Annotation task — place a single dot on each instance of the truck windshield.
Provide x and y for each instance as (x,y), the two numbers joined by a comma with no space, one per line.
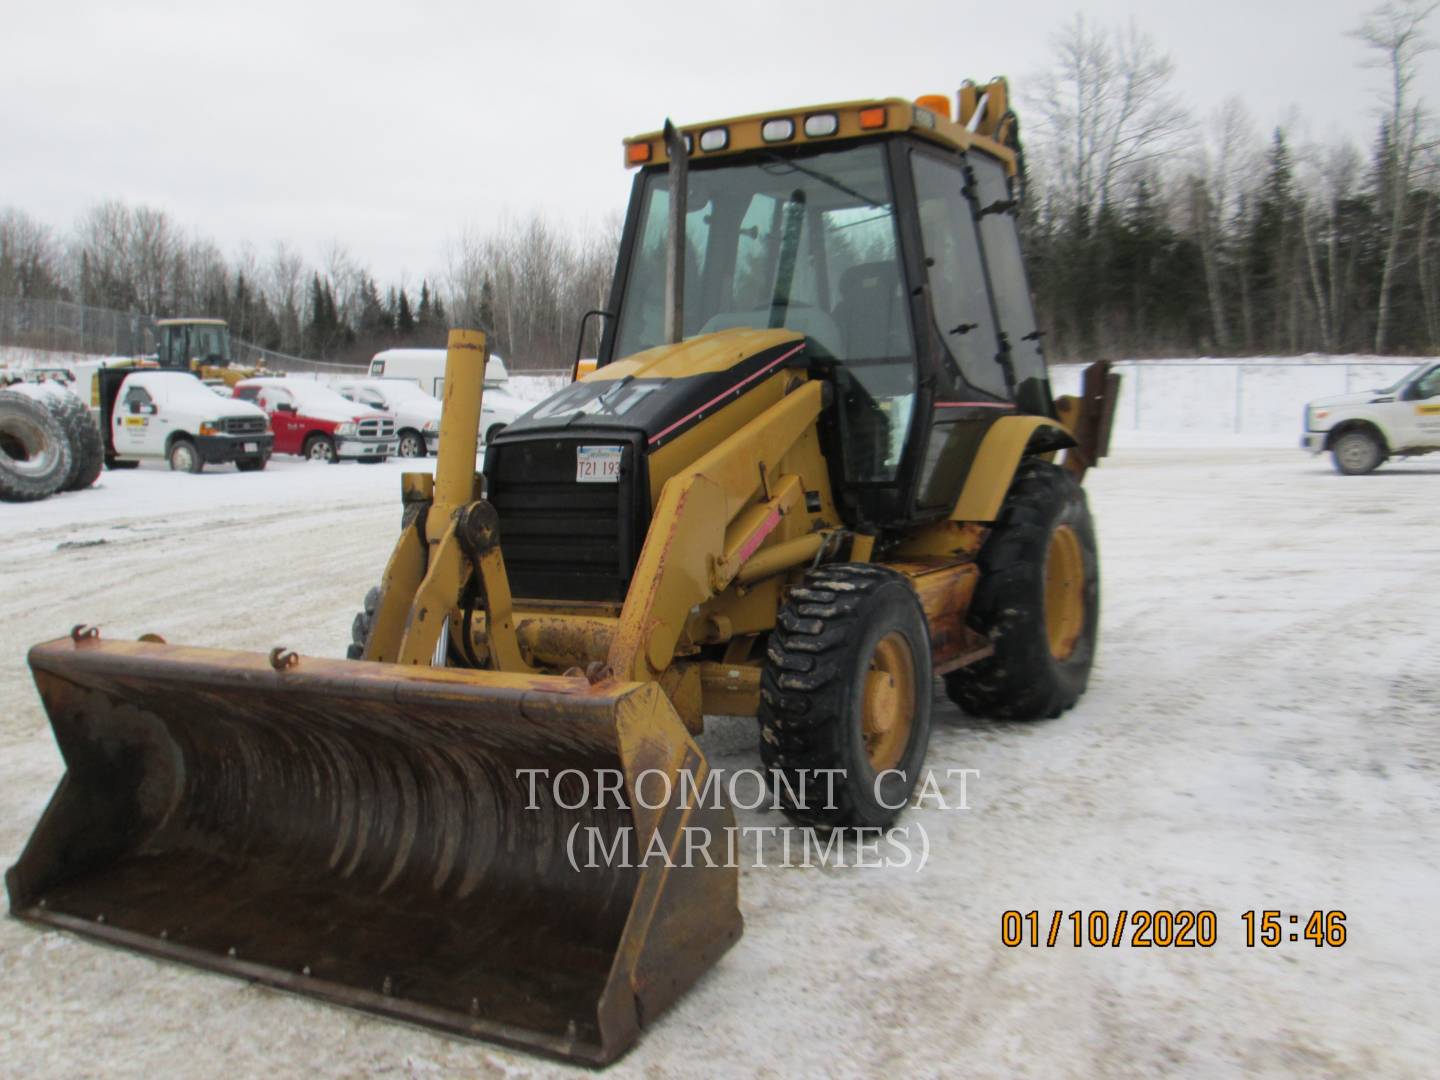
(1394,388)
(805,242)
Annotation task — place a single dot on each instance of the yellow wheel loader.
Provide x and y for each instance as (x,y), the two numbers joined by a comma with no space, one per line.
(818,465)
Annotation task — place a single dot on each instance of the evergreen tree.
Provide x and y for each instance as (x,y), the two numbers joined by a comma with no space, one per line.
(404,320)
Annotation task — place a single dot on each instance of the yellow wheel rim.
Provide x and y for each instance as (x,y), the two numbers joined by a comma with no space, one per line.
(888,710)
(1064,592)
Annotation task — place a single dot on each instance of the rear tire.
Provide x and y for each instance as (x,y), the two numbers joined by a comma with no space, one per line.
(36,458)
(1357,452)
(846,686)
(1038,601)
(185,457)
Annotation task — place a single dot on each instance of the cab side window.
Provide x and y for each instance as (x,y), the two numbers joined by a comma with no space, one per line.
(954,275)
(136,396)
(1001,239)
(1428,385)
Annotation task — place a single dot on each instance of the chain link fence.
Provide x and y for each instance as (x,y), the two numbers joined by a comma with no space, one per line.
(60,326)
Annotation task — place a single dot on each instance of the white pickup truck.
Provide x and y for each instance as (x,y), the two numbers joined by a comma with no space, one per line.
(1362,431)
(416,413)
(173,416)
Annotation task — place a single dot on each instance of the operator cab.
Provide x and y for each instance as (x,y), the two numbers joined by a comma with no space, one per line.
(888,238)
(190,344)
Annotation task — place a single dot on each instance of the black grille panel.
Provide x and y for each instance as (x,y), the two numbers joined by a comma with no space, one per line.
(562,539)
(245,425)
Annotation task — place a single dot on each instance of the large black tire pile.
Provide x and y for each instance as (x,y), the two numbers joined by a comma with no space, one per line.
(48,443)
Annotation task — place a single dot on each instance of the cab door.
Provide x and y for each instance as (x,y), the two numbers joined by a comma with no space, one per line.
(972,386)
(136,426)
(1420,411)
(279,405)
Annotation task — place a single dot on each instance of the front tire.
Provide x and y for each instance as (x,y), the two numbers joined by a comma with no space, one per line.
(411,445)
(846,686)
(360,626)
(1357,452)
(1038,601)
(321,448)
(185,457)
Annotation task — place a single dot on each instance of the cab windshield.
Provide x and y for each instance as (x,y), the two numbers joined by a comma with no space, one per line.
(210,344)
(1413,373)
(805,242)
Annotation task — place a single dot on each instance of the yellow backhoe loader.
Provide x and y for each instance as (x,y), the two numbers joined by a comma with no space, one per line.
(817,466)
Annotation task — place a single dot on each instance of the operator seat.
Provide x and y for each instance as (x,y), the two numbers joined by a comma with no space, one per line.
(870,311)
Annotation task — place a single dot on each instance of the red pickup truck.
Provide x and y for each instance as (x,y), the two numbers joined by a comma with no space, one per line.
(313,421)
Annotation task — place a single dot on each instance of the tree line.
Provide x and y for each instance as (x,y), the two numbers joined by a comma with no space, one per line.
(1152,232)
(1148,230)
(529,282)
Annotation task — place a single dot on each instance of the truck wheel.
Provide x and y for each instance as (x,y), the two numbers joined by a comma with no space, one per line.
(36,458)
(252,464)
(185,457)
(88,449)
(1038,601)
(846,686)
(360,626)
(411,445)
(1357,452)
(320,448)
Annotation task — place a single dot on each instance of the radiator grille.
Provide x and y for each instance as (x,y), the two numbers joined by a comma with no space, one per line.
(562,540)
(376,429)
(245,425)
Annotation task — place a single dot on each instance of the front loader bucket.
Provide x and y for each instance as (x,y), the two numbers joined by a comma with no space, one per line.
(358,832)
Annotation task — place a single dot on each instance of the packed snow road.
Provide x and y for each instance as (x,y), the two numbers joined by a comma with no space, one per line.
(1262,732)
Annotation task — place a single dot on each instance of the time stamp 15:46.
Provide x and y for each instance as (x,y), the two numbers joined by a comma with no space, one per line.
(1145,929)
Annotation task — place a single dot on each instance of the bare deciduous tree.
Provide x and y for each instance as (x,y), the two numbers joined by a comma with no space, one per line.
(1108,110)
(1396,32)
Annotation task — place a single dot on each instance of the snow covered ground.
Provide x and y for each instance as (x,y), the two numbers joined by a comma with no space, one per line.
(1262,731)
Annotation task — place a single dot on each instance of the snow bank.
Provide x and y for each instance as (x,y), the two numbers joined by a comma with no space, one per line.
(1254,401)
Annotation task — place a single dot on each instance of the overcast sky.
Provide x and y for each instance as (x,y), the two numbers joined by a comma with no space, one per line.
(389,127)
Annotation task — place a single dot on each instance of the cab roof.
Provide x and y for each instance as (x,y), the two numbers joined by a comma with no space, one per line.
(814,124)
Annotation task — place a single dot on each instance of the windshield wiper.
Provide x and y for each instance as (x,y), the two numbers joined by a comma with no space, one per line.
(825,179)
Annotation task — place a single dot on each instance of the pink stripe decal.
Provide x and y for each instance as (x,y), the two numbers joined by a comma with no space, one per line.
(743,382)
(766,528)
(973,405)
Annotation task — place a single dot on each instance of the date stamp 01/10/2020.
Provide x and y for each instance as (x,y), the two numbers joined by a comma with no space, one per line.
(1145,929)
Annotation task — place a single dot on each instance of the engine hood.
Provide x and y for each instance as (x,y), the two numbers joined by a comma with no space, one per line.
(1359,397)
(663,391)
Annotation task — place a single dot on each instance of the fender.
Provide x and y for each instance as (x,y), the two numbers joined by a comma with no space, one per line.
(997,461)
